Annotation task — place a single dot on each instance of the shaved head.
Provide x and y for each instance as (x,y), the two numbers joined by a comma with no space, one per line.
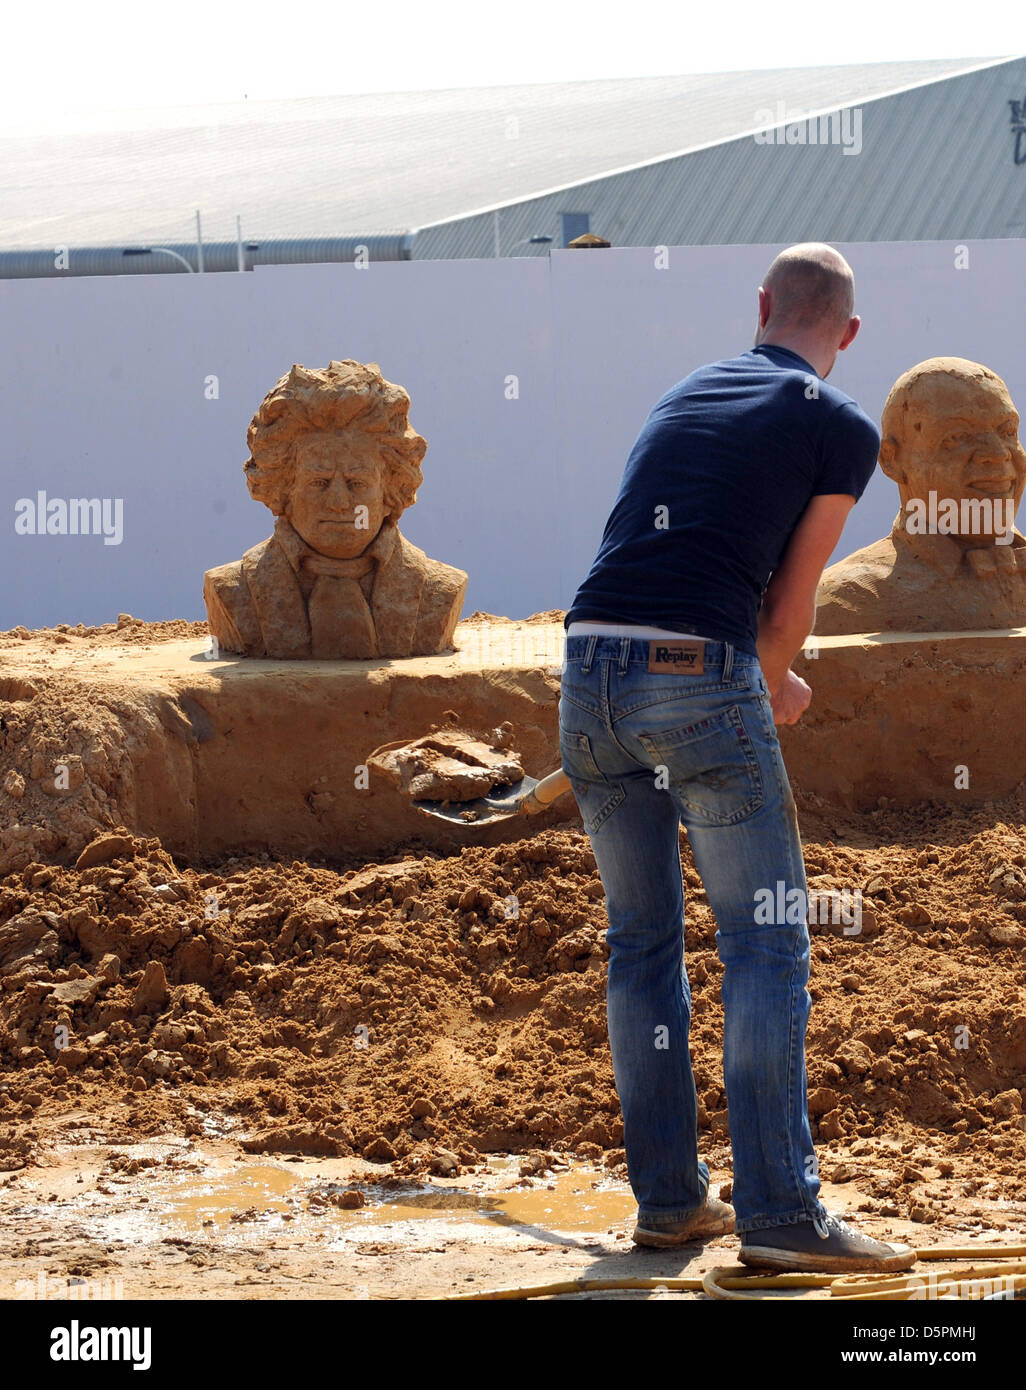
(812,288)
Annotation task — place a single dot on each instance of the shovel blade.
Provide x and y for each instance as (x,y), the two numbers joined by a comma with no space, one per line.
(485,810)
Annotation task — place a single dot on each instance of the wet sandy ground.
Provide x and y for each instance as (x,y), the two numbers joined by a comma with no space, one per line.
(176,1218)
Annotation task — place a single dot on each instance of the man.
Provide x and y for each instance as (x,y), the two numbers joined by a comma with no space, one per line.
(678,652)
(953,560)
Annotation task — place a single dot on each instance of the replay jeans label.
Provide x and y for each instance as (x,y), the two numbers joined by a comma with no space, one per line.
(682,658)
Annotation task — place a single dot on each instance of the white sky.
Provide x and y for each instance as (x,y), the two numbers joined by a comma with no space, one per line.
(62,57)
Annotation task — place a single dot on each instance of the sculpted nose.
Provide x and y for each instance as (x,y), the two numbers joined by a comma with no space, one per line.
(995,456)
(338,494)
(998,450)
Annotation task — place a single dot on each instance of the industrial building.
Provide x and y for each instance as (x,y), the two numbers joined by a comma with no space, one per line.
(900,151)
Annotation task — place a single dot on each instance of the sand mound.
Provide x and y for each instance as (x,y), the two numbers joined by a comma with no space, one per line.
(127,631)
(66,757)
(396,1007)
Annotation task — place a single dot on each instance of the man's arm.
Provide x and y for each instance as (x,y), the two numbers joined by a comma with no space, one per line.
(788,611)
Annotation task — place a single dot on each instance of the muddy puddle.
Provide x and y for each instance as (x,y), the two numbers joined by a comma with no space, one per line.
(576,1201)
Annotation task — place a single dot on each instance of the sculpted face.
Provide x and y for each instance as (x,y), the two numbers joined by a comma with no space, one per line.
(337,502)
(960,440)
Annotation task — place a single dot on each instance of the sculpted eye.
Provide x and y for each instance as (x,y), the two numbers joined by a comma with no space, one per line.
(953,439)
(1009,430)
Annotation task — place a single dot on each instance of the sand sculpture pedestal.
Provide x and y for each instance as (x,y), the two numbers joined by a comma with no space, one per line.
(911,717)
(240,754)
(243,754)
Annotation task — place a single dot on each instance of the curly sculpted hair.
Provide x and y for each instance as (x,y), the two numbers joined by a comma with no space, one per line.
(340,396)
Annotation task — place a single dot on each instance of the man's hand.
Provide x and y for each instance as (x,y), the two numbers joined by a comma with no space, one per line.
(791,699)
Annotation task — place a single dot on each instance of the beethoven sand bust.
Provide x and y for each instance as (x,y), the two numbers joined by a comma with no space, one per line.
(334,457)
(953,560)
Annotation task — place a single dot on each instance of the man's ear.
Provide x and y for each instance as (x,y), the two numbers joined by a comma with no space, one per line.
(765,305)
(889,459)
(849,333)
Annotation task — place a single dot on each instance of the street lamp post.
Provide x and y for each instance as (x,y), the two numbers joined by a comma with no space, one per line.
(164,251)
(156,251)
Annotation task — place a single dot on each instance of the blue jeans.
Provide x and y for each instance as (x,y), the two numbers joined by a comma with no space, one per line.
(644,752)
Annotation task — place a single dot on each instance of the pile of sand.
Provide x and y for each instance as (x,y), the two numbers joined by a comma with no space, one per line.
(459,1002)
(66,756)
(127,631)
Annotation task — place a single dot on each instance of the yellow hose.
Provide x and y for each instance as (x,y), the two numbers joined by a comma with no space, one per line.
(967,1252)
(573,1286)
(737,1281)
(730,1283)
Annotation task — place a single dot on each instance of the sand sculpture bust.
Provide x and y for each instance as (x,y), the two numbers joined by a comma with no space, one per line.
(333,456)
(953,560)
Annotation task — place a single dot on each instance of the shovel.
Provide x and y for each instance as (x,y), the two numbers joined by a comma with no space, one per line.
(524,798)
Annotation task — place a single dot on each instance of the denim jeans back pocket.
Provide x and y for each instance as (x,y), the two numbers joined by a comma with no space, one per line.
(711,765)
(597,798)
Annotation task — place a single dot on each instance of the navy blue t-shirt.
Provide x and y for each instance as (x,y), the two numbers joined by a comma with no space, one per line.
(713,488)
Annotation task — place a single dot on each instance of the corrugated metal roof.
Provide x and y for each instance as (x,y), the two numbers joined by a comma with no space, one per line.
(385,161)
(937,163)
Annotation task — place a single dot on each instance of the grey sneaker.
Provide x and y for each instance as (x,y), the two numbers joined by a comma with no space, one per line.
(714,1218)
(824,1245)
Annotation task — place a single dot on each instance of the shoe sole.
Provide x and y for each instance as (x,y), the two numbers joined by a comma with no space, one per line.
(793,1261)
(660,1240)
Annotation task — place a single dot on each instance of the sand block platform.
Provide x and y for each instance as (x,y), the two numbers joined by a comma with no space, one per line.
(227,755)
(912,718)
(239,754)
